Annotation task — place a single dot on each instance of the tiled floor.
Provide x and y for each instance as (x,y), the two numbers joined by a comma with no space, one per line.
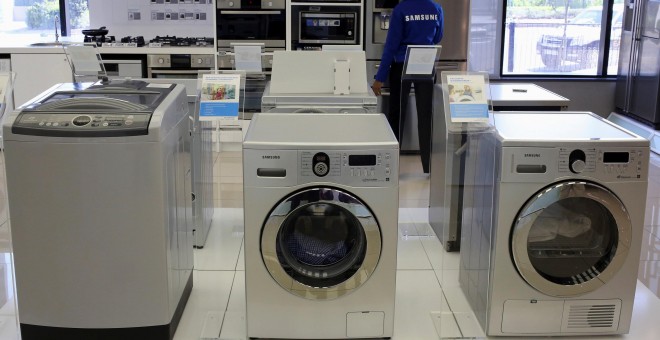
(429,302)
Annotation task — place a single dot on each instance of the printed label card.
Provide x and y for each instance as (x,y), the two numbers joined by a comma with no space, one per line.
(468,101)
(220,95)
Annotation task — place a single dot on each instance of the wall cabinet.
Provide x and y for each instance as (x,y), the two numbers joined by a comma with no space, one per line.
(37,72)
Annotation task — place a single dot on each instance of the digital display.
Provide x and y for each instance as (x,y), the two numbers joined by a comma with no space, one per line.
(616,157)
(362,160)
(321,157)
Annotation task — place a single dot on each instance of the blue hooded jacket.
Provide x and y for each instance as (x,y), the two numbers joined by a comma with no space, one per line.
(413,22)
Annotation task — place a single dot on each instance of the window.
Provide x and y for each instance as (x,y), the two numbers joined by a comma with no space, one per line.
(34,20)
(561,37)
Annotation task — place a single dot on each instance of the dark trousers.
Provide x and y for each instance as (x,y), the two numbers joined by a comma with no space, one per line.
(399,94)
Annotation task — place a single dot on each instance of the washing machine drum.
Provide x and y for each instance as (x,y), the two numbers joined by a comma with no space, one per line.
(571,238)
(321,243)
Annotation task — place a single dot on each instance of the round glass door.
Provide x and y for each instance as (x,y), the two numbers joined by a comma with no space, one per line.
(571,238)
(321,243)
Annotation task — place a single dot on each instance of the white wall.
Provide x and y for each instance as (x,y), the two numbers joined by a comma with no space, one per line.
(116,16)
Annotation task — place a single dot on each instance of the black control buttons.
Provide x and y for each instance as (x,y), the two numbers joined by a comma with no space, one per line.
(321,164)
(82,120)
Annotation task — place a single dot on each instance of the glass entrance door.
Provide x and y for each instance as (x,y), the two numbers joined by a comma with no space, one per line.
(571,238)
(321,243)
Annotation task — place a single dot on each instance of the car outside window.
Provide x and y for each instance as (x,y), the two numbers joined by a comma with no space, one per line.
(564,39)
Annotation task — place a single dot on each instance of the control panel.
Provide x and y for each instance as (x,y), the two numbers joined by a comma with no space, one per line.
(618,163)
(354,166)
(81,124)
(600,162)
(250,4)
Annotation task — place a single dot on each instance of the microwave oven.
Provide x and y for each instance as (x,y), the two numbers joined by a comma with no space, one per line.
(328,28)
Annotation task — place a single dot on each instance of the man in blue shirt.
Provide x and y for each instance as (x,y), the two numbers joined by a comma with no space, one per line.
(413,22)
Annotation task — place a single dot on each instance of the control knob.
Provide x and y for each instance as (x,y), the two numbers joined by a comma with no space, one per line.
(577,161)
(81,120)
(231,4)
(200,60)
(161,60)
(321,164)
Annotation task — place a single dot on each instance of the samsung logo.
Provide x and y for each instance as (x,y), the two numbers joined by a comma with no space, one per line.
(270,157)
(422,17)
(535,155)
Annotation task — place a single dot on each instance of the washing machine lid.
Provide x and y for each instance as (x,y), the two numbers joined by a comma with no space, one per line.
(274,100)
(283,131)
(110,109)
(558,126)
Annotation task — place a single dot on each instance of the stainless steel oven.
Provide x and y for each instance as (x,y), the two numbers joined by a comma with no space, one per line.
(260,21)
(186,66)
(313,26)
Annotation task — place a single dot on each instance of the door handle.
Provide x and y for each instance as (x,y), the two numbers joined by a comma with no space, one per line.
(250,12)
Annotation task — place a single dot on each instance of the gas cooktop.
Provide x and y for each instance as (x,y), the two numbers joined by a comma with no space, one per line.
(188,41)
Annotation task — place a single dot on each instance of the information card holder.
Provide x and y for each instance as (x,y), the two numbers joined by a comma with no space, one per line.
(420,62)
(222,115)
(221,95)
(419,66)
(468,114)
(85,61)
(468,120)
(248,56)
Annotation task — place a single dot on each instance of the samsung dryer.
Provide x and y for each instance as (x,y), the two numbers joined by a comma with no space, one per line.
(321,207)
(98,179)
(552,244)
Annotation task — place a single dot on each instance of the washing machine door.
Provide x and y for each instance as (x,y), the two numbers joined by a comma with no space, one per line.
(571,238)
(321,243)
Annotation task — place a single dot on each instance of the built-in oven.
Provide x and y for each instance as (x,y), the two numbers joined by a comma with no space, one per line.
(186,66)
(316,25)
(327,28)
(119,66)
(123,68)
(257,21)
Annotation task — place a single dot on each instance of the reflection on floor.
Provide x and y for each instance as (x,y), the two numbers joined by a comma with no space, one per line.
(429,302)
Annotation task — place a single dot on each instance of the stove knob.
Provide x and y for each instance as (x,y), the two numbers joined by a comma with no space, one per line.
(577,161)
(199,60)
(231,4)
(161,60)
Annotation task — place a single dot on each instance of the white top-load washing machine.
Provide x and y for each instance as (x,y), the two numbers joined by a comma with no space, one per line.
(98,179)
(307,82)
(321,207)
(552,224)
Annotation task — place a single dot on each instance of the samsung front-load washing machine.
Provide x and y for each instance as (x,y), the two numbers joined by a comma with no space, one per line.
(560,253)
(321,207)
(98,179)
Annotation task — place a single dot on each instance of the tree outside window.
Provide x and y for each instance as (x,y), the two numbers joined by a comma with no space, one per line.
(33,20)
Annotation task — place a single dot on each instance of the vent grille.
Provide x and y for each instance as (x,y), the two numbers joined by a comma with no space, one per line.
(591,316)
(595,316)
